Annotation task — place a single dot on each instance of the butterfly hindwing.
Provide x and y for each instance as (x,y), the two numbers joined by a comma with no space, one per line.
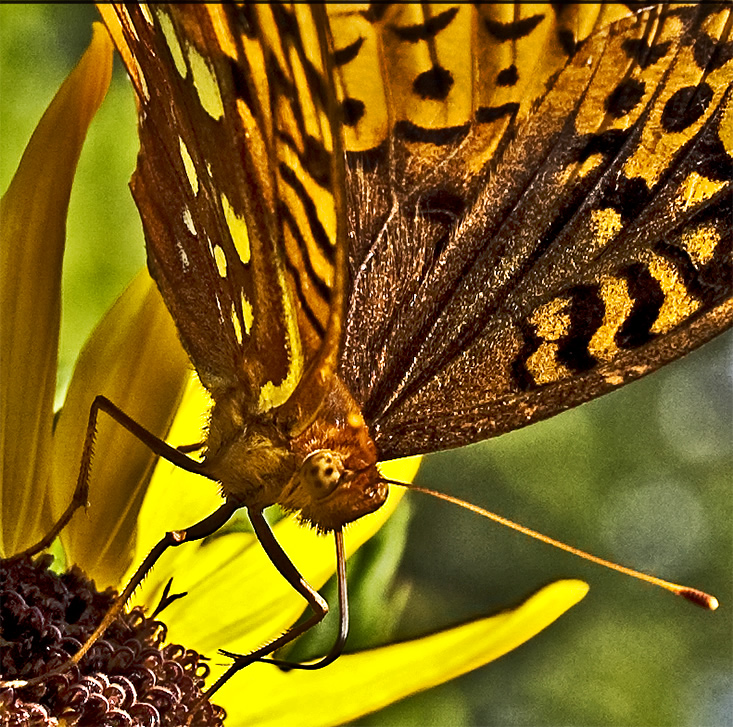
(596,249)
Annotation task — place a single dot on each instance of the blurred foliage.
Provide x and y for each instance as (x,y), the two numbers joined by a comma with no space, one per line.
(642,476)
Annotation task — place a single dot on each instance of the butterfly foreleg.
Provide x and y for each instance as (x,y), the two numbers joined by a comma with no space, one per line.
(335,651)
(80,497)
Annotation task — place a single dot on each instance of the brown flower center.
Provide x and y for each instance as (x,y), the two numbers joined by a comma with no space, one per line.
(129,677)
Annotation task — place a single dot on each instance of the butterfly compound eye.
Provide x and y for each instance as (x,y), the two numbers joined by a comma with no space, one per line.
(321,472)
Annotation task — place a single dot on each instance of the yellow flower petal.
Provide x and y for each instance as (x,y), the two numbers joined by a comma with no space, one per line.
(135,359)
(33,225)
(361,683)
(176,499)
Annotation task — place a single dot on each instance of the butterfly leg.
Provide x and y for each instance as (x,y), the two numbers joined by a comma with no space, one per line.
(317,603)
(81,491)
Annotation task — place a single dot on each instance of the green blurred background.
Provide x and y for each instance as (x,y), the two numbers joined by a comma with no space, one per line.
(642,476)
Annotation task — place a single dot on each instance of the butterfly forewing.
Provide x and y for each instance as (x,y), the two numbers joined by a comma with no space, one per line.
(235,186)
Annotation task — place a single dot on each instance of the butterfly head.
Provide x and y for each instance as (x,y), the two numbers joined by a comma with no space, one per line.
(337,480)
(334,493)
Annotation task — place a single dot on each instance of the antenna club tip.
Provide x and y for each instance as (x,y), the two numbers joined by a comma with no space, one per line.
(700,598)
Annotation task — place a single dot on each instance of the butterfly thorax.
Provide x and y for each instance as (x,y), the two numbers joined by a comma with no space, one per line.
(328,473)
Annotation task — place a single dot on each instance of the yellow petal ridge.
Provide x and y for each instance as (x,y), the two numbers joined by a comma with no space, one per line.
(32,233)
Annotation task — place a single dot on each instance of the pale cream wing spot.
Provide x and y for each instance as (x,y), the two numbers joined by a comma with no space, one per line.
(185,263)
(247,313)
(188,165)
(145,10)
(205,84)
(171,40)
(237,229)
(188,221)
(237,325)
(221,261)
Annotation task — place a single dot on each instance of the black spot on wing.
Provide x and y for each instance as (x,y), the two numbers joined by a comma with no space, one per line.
(521,375)
(639,51)
(407,131)
(624,97)
(347,54)
(508,76)
(713,161)
(434,84)
(567,41)
(627,196)
(608,143)
(514,30)
(487,114)
(352,110)
(424,31)
(648,297)
(709,54)
(685,107)
(375,12)
(240,73)
(585,311)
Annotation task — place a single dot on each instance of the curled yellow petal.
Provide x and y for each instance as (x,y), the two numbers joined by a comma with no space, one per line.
(361,683)
(32,232)
(135,359)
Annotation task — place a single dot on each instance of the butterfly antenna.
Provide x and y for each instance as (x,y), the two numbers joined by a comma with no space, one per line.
(699,598)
